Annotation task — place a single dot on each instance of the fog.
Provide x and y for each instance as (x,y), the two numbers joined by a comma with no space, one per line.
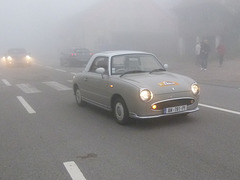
(27,23)
(34,24)
(43,27)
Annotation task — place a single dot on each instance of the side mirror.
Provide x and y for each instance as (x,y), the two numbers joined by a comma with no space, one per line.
(100,70)
(165,66)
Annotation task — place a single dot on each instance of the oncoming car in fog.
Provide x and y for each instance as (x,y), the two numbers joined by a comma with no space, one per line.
(17,56)
(134,84)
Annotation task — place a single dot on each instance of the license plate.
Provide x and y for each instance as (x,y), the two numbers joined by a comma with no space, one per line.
(175,109)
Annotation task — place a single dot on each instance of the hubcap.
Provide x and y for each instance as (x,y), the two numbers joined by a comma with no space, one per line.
(78,96)
(119,111)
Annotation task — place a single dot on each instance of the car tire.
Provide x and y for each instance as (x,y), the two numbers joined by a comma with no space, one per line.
(120,111)
(78,97)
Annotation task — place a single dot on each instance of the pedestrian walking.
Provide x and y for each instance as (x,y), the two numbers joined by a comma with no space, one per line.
(204,52)
(197,52)
(220,52)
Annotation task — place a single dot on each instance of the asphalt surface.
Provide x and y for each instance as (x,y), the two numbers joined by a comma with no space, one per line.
(43,144)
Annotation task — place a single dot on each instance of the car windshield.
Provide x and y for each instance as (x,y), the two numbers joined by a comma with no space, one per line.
(17,51)
(122,64)
(81,51)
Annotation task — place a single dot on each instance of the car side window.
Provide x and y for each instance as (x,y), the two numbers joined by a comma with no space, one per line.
(99,62)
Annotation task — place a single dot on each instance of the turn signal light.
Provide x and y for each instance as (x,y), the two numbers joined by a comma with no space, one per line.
(154,106)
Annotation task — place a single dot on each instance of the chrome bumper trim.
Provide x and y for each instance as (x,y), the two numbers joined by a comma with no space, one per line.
(133,115)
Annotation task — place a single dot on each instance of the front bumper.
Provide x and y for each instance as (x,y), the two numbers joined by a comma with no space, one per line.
(18,62)
(133,115)
(146,110)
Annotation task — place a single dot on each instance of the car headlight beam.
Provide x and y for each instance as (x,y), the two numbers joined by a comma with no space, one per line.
(3,59)
(9,58)
(146,95)
(28,57)
(195,88)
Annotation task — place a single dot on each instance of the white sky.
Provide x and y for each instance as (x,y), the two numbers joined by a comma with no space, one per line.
(23,20)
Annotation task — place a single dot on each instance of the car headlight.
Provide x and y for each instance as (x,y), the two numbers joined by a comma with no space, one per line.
(195,88)
(9,58)
(3,59)
(146,95)
(28,57)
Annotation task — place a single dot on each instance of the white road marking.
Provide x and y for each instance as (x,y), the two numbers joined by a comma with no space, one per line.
(6,82)
(57,86)
(61,70)
(26,105)
(70,81)
(220,109)
(27,88)
(74,171)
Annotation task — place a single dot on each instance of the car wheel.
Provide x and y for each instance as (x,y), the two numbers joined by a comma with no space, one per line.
(78,97)
(120,111)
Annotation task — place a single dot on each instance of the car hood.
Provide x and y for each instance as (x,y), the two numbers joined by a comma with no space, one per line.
(18,55)
(160,82)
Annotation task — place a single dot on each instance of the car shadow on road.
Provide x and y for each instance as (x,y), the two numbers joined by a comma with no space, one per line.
(158,123)
(146,124)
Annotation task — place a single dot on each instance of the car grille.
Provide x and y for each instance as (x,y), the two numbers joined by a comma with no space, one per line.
(173,103)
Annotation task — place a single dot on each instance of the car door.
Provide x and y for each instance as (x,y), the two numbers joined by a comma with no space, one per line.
(97,85)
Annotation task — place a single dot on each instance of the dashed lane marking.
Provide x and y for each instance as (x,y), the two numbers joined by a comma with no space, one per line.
(6,82)
(74,171)
(29,109)
(57,86)
(220,109)
(61,70)
(27,88)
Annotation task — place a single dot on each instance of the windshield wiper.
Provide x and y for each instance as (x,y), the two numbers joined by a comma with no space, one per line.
(157,70)
(129,72)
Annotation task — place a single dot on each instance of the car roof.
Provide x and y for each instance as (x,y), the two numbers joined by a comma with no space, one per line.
(78,48)
(73,48)
(119,52)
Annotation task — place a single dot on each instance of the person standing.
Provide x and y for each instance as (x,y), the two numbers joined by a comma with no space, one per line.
(221,52)
(204,52)
(197,52)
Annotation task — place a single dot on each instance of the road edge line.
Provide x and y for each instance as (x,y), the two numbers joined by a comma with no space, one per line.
(219,109)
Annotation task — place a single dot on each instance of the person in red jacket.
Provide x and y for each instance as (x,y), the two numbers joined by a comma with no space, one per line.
(221,52)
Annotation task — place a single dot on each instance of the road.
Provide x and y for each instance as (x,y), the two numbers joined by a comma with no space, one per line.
(45,135)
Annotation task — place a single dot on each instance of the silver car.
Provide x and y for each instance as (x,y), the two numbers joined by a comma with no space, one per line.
(134,84)
(17,56)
